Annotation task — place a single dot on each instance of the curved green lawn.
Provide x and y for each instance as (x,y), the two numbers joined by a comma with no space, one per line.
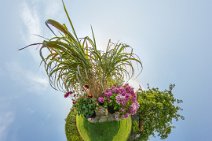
(106,131)
(71,131)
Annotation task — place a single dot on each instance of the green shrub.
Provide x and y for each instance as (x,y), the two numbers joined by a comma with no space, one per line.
(86,106)
(157,111)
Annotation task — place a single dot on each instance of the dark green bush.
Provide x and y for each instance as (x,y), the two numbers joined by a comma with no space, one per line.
(86,106)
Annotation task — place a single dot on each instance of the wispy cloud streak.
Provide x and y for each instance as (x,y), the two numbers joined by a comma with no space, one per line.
(6,120)
(32,26)
(32,81)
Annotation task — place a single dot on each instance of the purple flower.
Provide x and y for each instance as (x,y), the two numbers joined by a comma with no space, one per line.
(134,107)
(125,97)
(134,99)
(108,94)
(128,88)
(120,99)
(125,115)
(114,90)
(67,94)
(122,91)
(101,99)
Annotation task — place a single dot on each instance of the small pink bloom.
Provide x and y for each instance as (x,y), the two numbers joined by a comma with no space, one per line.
(101,99)
(108,94)
(67,94)
(125,115)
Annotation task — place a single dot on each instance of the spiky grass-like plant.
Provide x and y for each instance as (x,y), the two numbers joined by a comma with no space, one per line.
(73,61)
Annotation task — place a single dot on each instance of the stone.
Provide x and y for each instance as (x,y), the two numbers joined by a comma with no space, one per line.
(101,111)
(111,117)
(103,119)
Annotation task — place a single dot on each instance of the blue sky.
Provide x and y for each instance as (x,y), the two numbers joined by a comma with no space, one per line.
(172,37)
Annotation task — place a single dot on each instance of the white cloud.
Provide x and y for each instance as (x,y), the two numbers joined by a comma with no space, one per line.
(6,120)
(135,84)
(32,25)
(31,20)
(53,8)
(32,81)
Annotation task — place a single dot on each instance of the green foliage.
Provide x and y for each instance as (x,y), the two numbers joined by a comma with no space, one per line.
(156,113)
(104,131)
(71,60)
(112,103)
(86,106)
(71,131)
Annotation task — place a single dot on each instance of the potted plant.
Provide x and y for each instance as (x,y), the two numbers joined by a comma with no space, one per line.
(76,65)
(91,77)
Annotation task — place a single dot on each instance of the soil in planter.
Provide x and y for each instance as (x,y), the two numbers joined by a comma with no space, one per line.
(111,110)
(101,104)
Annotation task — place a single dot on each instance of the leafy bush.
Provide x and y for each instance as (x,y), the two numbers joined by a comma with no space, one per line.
(86,106)
(156,113)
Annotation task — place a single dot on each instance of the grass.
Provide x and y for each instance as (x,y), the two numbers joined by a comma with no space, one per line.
(106,131)
(72,133)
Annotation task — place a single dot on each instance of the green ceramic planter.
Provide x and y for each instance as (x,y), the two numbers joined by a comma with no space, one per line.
(105,131)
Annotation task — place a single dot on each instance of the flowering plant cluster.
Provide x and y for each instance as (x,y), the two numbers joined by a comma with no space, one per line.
(120,99)
(75,94)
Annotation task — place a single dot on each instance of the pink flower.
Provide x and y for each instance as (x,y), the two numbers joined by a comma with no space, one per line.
(125,99)
(127,95)
(120,99)
(125,115)
(134,107)
(108,94)
(101,99)
(67,94)
(122,91)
